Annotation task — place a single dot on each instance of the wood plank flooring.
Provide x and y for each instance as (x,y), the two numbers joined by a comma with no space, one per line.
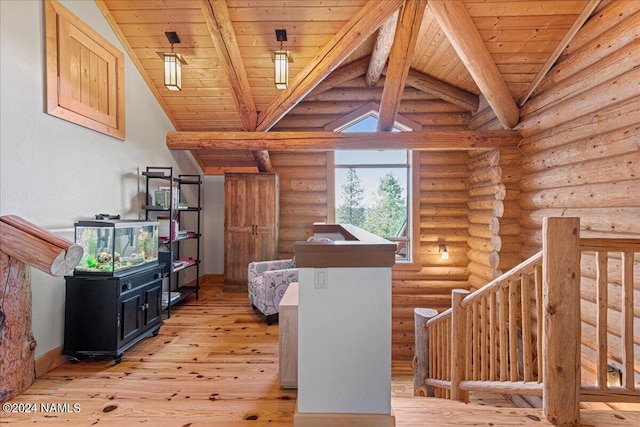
(215,363)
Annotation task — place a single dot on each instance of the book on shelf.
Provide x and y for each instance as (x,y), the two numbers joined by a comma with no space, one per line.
(169,297)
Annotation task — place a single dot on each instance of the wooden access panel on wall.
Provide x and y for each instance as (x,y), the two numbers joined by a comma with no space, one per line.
(251,221)
(85,74)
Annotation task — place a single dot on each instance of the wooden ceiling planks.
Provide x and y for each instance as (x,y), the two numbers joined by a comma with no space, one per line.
(520,35)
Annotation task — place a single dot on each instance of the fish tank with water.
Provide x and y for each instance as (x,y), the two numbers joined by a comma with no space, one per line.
(116,247)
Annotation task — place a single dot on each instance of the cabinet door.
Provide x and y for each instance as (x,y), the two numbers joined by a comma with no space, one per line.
(266,219)
(153,304)
(130,324)
(251,222)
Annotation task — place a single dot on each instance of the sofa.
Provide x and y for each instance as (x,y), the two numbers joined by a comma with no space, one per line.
(268,281)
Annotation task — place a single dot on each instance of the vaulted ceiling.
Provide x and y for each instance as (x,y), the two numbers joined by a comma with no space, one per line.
(438,64)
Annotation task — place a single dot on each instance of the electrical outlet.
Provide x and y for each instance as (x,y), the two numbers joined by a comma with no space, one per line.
(321,280)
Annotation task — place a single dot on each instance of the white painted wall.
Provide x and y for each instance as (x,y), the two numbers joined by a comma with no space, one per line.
(344,341)
(53,172)
(213,223)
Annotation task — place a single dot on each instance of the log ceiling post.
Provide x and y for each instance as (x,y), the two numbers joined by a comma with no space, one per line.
(218,21)
(381,50)
(356,31)
(463,35)
(399,61)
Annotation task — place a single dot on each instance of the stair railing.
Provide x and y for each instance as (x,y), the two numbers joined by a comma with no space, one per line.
(521,333)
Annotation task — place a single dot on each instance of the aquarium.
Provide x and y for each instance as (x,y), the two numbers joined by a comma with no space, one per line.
(115,247)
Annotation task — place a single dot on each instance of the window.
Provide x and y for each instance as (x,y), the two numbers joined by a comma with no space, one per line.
(373,190)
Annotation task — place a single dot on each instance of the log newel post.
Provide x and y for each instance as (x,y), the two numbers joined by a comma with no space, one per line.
(561,320)
(458,344)
(421,355)
(23,243)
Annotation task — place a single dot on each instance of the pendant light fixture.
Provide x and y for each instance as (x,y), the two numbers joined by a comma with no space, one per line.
(281,59)
(172,64)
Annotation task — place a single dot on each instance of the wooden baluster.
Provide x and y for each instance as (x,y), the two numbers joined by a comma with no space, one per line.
(513,330)
(469,344)
(504,307)
(538,280)
(627,321)
(602,299)
(526,327)
(484,373)
(561,316)
(493,335)
(476,342)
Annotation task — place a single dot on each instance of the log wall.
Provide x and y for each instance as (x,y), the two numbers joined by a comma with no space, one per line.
(303,195)
(581,149)
(443,220)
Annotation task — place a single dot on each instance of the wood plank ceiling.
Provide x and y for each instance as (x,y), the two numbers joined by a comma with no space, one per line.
(445,58)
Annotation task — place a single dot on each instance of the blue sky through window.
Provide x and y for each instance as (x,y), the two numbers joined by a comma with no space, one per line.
(370,176)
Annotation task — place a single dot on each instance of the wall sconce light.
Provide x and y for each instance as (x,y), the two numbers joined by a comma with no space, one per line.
(281,60)
(172,64)
(443,252)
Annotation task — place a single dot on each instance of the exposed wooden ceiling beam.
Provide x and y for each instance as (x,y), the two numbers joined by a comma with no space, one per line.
(323,141)
(442,90)
(463,35)
(399,61)
(218,22)
(381,50)
(342,74)
(582,18)
(361,26)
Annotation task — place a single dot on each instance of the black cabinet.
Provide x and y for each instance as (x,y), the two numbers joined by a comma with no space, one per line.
(104,316)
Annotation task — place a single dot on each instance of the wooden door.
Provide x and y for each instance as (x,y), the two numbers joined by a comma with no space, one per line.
(251,222)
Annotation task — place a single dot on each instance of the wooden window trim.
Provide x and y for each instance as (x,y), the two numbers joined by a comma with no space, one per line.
(104,112)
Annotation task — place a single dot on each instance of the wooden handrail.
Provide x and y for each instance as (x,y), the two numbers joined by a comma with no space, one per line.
(37,247)
(488,335)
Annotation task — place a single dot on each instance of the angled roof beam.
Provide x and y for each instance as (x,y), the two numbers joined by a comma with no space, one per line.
(218,21)
(463,35)
(442,90)
(356,31)
(582,18)
(381,50)
(324,141)
(341,75)
(399,61)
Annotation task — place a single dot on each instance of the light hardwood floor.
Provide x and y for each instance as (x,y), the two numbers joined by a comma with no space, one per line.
(214,363)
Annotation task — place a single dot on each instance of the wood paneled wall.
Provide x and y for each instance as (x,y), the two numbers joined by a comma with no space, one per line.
(581,151)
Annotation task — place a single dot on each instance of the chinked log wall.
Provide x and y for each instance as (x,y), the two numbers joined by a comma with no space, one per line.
(581,153)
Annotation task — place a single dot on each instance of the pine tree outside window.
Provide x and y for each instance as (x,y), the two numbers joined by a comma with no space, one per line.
(373,190)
